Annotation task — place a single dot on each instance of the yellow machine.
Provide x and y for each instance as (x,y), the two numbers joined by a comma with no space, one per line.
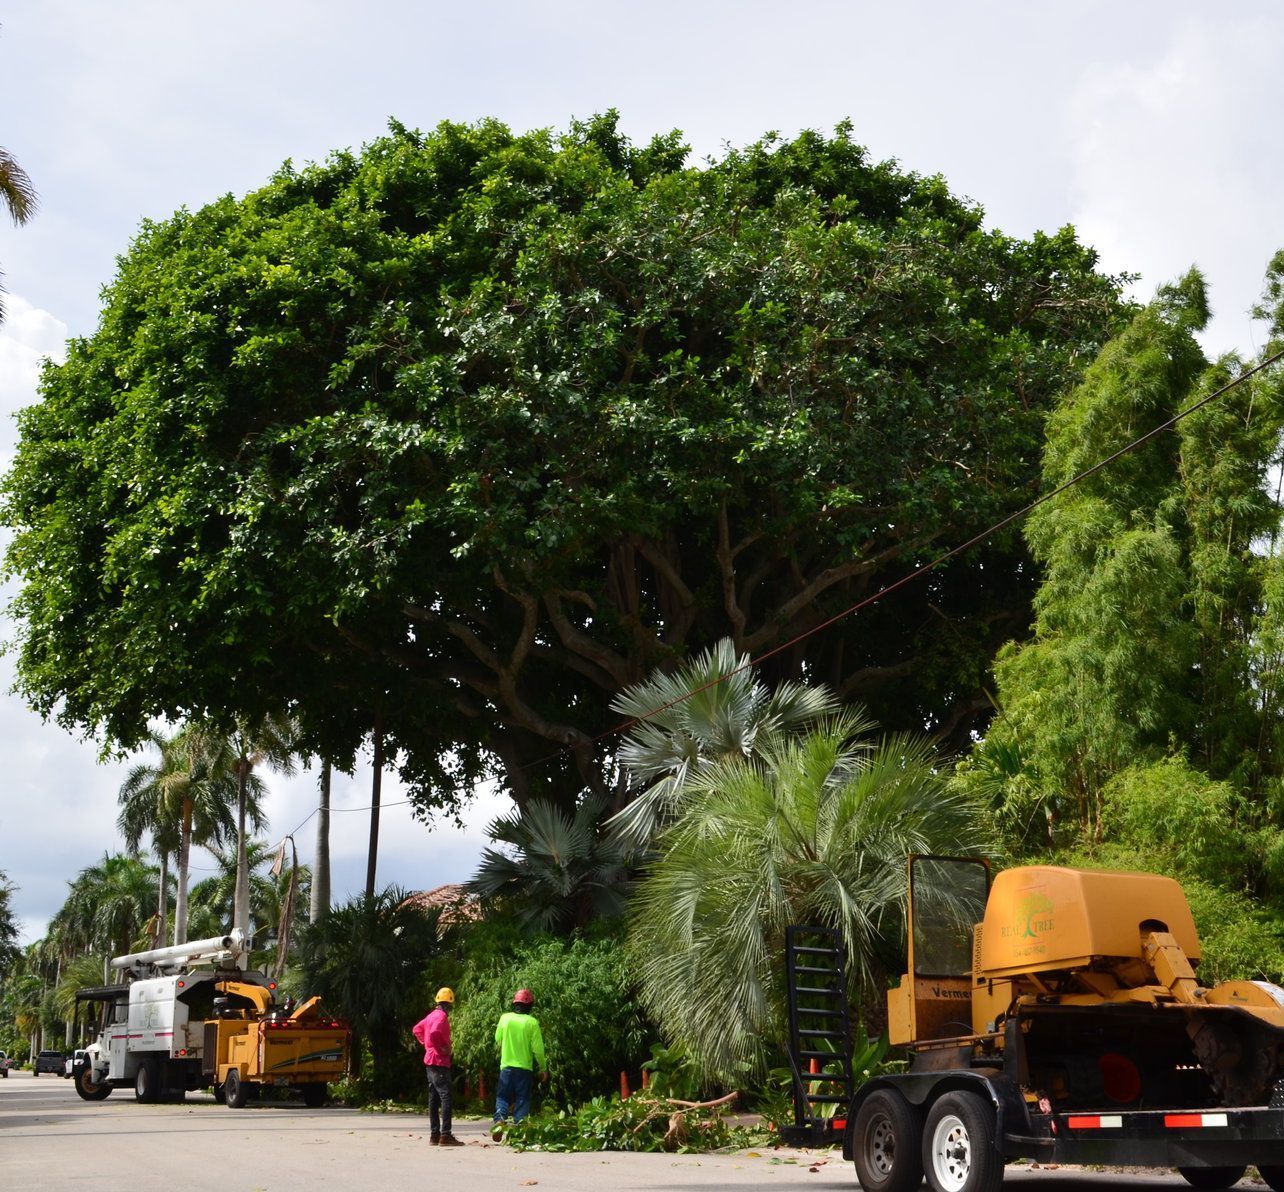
(1057,1014)
(250,1043)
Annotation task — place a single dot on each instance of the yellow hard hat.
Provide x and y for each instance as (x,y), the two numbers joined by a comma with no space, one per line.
(445,994)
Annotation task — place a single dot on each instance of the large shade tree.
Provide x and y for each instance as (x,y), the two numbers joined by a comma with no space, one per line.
(474,429)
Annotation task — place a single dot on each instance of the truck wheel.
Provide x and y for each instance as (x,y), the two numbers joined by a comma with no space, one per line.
(959,1154)
(1274,1177)
(887,1139)
(235,1091)
(146,1082)
(88,1090)
(1211,1177)
(313,1095)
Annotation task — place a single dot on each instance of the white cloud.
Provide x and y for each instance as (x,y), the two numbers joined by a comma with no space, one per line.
(27,336)
(1176,163)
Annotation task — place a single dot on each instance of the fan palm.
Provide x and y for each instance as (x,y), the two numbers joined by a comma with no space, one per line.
(816,830)
(562,870)
(711,710)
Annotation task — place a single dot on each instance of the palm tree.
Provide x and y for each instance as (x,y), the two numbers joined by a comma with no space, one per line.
(678,735)
(214,898)
(320,902)
(270,742)
(17,195)
(184,799)
(815,830)
(562,872)
(366,960)
(107,909)
(8,927)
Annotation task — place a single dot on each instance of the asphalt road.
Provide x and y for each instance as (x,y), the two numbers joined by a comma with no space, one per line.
(51,1139)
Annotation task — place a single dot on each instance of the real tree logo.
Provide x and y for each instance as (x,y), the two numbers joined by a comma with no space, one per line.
(1034,915)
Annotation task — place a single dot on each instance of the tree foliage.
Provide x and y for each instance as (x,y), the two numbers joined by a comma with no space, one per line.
(478,428)
(585,1002)
(1158,624)
(366,959)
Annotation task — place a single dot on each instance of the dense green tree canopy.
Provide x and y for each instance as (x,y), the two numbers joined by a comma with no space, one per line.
(1160,622)
(473,429)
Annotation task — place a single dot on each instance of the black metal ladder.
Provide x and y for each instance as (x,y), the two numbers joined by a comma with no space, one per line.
(820,1041)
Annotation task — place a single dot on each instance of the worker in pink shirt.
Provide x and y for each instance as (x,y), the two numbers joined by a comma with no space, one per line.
(434,1033)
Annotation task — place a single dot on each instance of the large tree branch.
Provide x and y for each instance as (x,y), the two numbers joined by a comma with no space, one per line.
(821,583)
(581,643)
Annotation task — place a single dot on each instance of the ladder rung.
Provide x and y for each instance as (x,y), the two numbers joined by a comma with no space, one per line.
(803,1030)
(826,1013)
(823,1097)
(820,1055)
(814,951)
(811,989)
(804,968)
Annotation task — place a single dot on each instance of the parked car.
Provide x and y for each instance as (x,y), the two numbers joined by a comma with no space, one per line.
(6,1063)
(49,1061)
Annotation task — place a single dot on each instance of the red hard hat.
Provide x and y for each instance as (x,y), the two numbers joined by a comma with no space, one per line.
(523,997)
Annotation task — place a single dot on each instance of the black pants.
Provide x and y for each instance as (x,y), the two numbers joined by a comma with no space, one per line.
(438,1096)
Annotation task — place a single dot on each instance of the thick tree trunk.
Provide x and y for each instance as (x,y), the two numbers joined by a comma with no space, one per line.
(184,857)
(241,899)
(321,866)
(376,787)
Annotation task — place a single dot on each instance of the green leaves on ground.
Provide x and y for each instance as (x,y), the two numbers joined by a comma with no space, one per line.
(642,1123)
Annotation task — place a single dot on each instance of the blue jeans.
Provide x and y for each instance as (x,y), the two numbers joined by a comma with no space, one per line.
(515,1088)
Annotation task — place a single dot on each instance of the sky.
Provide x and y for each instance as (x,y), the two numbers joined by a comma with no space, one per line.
(1153,128)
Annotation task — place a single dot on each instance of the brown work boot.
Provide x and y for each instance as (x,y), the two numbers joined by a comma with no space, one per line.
(434,1139)
(449,1140)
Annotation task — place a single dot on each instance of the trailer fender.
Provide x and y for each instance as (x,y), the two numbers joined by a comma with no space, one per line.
(921,1089)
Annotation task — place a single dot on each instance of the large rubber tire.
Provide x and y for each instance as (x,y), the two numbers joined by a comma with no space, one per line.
(313,1094)
(147,1086)
(959,1154)
(88,1090)
(1274,1177)
(1212,1177)
(887,1143)
(235,1091)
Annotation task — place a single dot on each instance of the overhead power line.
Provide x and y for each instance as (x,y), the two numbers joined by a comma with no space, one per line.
(954,552)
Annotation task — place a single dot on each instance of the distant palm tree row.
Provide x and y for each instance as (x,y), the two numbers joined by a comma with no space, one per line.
(202,790)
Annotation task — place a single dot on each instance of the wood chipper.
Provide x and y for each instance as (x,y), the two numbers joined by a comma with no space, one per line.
(1057,1016)
(251,1043)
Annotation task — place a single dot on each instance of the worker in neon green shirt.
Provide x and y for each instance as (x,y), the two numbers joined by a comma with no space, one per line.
(521,1048)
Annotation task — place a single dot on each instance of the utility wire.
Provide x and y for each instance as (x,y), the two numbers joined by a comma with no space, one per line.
(919,572)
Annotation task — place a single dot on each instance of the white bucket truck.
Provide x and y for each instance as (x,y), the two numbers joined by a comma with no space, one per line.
(152,1027)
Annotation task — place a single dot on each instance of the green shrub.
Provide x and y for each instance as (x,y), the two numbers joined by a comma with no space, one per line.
(1177,817)
(584,1001)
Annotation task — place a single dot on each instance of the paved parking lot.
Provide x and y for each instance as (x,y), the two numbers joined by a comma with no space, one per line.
(51,1139)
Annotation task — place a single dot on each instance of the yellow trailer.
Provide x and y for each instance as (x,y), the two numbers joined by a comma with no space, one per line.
(250,1043)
